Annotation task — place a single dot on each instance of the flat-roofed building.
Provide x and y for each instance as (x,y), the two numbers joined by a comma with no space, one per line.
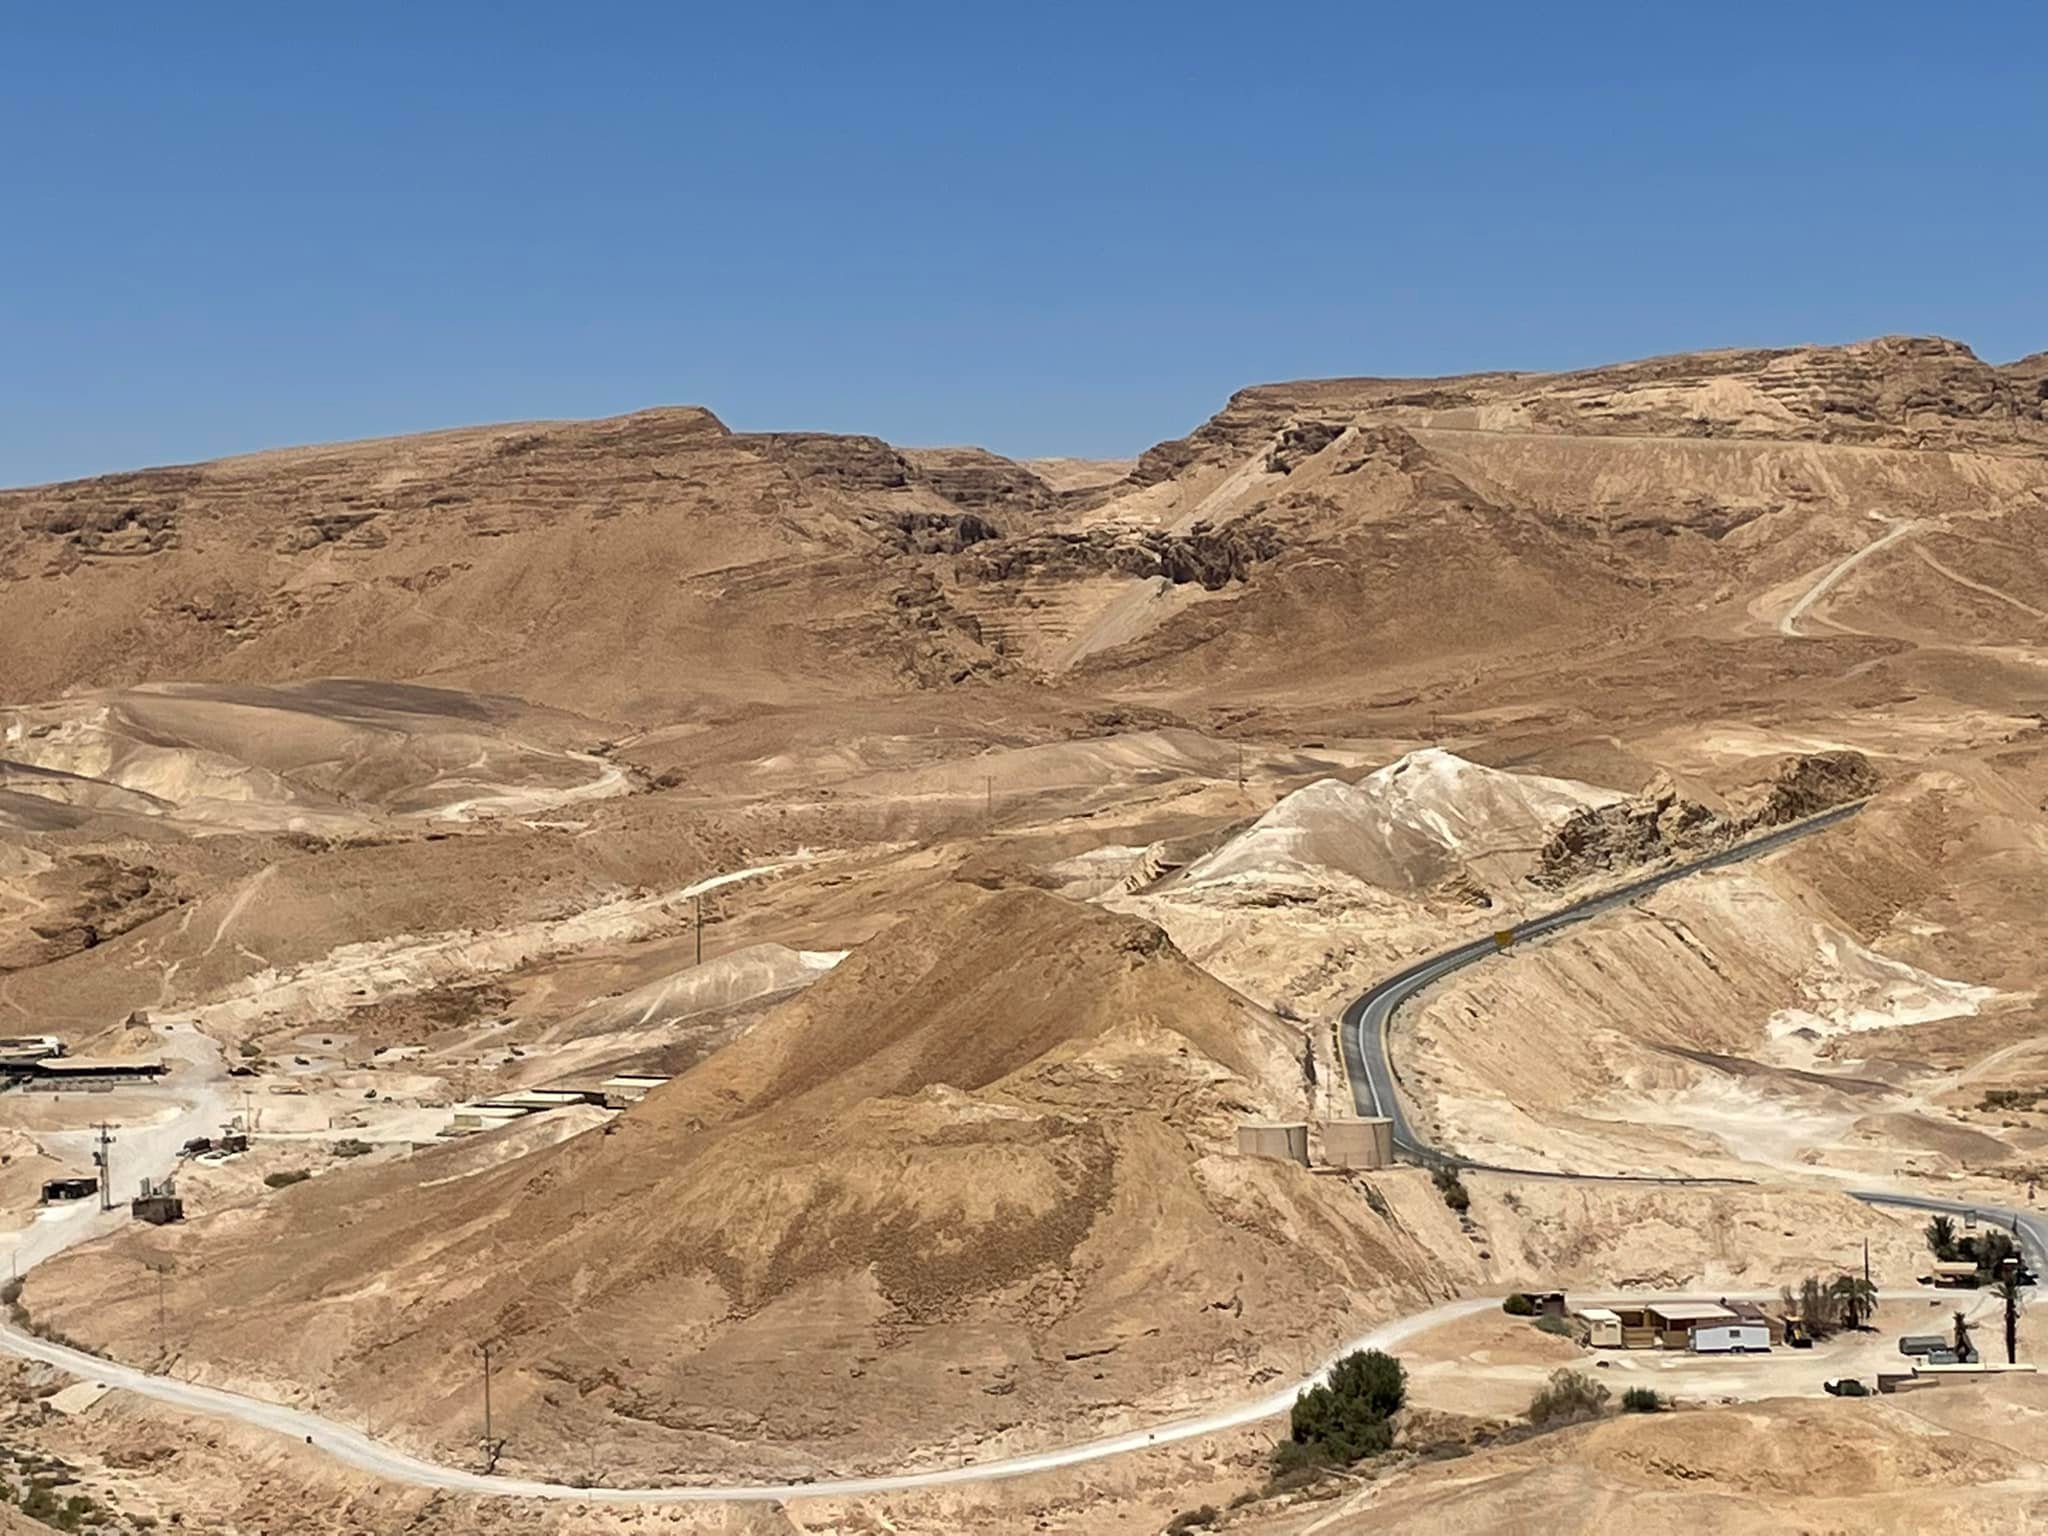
(79,1072)
(629,1088)
(1603,1327)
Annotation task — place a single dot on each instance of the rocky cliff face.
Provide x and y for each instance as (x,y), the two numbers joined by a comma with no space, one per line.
(1660,823)
(1897,391)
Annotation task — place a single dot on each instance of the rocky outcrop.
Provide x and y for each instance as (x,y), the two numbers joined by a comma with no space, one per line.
(1660,823)
(1302,440)
(980,481)
(1211,557)
(935,533)
(845,462)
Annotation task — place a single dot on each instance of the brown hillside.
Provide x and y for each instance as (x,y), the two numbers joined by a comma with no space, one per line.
(966,1189)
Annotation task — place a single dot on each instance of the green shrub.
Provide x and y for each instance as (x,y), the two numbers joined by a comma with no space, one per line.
(1642,1400)
(1345,1419)
(1550,1322)
(1569,1397)
(1518,1305)
(1452,1188)
(285,1178)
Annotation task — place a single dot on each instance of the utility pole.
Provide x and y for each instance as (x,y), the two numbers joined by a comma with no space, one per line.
(1240,769)
(1866,1261)
(988,804)
(161,1268)
(106,1167)
(700,930)
(490,1442)
(2009,1293)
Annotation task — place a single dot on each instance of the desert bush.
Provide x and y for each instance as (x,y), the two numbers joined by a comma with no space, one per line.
(1452,1188)
(250,1050)
(1192,1520)
(285,1178)
(1642,1400)
(1561,1326)
(350,1146)
(1345,1418)
(1518,1305)
(1569,1397)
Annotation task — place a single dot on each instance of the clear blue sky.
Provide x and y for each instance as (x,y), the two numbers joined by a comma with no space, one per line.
(1046,228)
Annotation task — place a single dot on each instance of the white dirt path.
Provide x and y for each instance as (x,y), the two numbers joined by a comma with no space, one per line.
(1788,622)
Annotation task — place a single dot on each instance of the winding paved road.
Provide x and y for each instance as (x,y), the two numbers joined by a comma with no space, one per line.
(1363,1032)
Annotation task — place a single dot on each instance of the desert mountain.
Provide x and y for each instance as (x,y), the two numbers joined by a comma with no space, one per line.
(975,843)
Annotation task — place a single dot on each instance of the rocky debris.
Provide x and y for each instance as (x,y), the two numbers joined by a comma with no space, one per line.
(1660,823)
(1213,557)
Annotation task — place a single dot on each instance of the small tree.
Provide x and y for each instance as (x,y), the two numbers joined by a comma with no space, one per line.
(1570,1397)
(1856,1299)
(1345,1418)
(1518,1305)
(1452,1188)
(1990,1249)
(2007,1289)
(1642,1400)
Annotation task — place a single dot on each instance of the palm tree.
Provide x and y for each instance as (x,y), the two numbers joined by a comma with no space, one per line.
(2007,1289)
(1858,1298)
(1941,1237)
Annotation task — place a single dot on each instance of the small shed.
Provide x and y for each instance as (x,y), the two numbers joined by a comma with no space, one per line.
(1957,1274)
(1603,1327)
(55,1190)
